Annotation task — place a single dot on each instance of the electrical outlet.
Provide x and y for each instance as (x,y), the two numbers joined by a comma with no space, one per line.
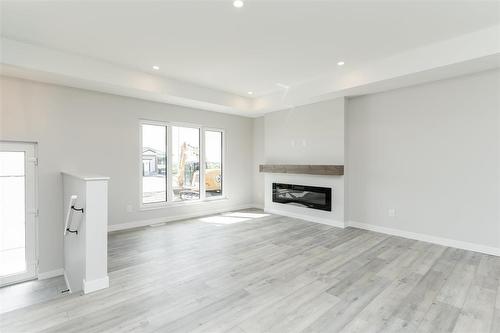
(130,208)
(391,212)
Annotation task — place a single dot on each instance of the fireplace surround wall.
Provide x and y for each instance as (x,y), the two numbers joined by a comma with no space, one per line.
(334,217)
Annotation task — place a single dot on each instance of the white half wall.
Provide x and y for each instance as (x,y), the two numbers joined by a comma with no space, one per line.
(425,160)
(74,244)
(86,241)
(97,133)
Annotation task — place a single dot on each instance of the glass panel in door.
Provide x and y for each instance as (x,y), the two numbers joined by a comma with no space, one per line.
(16,222)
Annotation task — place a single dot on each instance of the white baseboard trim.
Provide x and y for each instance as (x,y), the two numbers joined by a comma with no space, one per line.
(94,285)
(143,223)
(315,219)
(50,274)
(67,282)
(428,238)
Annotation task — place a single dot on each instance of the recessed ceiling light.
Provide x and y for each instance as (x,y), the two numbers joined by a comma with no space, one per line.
(238,3)
(156,68)
(340,63)
(250,93)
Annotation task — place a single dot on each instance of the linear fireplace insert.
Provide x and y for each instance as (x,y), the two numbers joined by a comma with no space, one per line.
(304,196)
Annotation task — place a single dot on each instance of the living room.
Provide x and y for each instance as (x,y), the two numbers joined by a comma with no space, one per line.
(250,166)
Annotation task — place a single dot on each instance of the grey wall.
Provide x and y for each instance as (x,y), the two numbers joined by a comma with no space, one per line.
(79,130)
(259,157)
(430,152)
(310,134)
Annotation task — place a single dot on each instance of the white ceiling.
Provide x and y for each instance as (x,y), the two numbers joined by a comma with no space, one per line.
(213,44)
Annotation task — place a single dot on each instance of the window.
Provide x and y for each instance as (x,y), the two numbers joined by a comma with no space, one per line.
(154,148)
(172,160)
(185,163)
(213,163)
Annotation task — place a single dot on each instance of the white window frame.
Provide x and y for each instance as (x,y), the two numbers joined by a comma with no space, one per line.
(170,197)
(167,154)
(223,161)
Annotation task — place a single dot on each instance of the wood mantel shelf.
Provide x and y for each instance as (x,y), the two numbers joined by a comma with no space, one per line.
(327,170)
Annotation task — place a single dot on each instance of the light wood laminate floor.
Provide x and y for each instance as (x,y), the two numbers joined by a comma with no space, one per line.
(32,292)
(252,272)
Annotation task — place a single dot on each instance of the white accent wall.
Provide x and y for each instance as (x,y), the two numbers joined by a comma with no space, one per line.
(424,161)
(97,133)
(310,134)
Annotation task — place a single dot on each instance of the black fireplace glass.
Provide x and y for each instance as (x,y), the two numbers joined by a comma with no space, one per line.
(304,196)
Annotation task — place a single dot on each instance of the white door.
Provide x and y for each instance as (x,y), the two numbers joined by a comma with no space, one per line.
(17,212)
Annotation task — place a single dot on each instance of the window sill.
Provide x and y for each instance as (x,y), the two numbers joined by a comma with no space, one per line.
(164,205)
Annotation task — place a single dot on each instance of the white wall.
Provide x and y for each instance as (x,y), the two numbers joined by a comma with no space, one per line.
(310,134)
(430,152)
(96,133)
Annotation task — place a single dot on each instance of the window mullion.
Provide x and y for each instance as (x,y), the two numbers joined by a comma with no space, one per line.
(222,162)
(202,164)
(170,193)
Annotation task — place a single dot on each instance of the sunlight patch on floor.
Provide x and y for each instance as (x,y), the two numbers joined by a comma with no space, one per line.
(223,219)
(246,215)
(232,218)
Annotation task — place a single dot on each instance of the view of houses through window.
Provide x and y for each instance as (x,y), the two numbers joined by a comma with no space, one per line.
(154,147)
(183,168)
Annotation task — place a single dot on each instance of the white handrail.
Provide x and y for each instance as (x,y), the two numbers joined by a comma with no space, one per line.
(69,226)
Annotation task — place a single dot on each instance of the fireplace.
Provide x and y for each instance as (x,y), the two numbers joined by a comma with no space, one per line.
(303,196)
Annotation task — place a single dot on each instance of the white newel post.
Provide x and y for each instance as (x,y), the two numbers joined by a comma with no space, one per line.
(86,251)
